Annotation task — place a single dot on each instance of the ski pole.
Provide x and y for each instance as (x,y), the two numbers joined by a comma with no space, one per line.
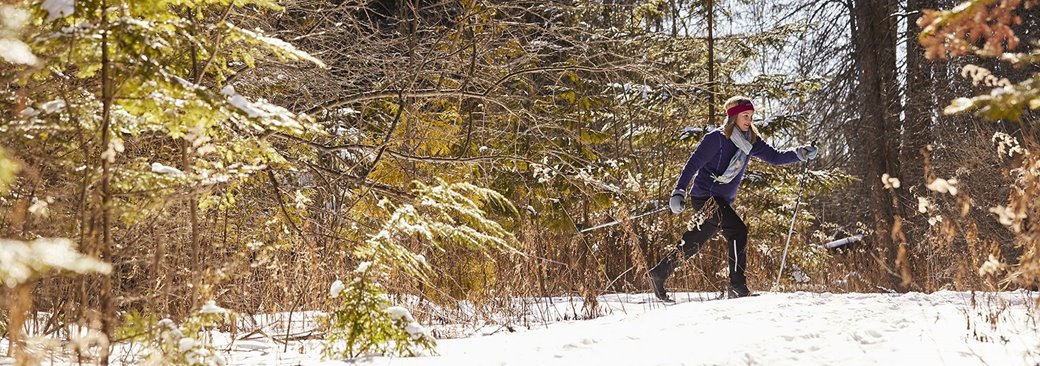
(615,222)
(794,216)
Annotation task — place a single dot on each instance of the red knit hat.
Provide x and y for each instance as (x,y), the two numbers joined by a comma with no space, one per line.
(735,110)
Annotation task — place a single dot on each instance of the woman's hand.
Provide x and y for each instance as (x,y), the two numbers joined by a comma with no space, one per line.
(807,152)
(676,202)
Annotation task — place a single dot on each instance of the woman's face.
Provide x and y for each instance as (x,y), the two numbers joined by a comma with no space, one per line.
(744,120)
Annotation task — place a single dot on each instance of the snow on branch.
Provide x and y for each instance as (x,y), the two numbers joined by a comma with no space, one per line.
(445,214)
(23,261)
(277,46)
(13,50)
(271,115)
(58,8)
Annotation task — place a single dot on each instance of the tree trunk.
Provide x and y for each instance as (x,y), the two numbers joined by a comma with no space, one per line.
(917,133)
(874,40)
(105,245)
(712,87)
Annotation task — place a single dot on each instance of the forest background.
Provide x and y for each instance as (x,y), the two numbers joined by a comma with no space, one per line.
(254,153)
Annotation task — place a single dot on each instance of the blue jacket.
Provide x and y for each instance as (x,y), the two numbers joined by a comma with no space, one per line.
(711,158)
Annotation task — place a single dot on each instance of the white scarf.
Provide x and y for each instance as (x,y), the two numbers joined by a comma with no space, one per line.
(739,159)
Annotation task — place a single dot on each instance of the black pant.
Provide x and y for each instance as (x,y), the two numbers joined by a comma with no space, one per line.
(733,229)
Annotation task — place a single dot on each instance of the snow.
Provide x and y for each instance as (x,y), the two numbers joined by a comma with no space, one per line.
(336,288)
(1007,215)
(799,328)
(166,169)
(21,261)
(12,18)
(40,207)
(12,50)
(1007,145)
(186,344)
(944,186)
(16,52)
(992,266)
(397,312)
(772,329)
(211,307)
(415,330)
(115,146)
(287,48)
(58,8)
(52,106)
(923,204)
(890,182)
(776,328)
(241,102)
(271,115)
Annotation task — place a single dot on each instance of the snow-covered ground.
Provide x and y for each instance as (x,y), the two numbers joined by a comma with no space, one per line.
(774,329)
(943,328)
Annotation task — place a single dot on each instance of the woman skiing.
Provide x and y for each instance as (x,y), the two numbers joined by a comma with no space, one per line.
(717,167)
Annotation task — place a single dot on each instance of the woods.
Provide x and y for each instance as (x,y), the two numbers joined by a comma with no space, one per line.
(191,162)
